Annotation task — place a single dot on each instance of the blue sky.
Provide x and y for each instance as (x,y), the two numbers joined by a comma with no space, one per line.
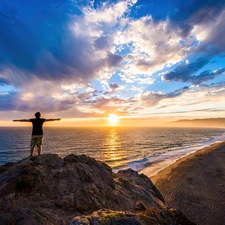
(138,59)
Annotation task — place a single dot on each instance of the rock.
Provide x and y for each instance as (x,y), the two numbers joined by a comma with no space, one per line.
(50,190)
(7,219)
(149,217)
(107,217)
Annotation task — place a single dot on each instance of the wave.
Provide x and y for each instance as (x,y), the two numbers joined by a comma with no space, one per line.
(176,152)
(120,148)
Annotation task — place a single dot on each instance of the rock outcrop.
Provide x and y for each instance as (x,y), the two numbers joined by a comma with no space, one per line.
(76,190)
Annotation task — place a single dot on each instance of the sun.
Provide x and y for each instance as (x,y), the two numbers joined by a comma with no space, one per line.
(113,119)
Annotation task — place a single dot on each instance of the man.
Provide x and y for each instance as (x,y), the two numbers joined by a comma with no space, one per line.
(37,132)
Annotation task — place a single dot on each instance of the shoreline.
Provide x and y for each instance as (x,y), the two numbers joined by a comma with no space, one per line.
(195,184)
(163,168)
(154,169)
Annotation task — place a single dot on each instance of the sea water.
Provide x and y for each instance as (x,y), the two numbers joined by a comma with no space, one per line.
(120,148)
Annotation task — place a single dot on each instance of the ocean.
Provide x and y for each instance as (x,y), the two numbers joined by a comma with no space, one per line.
(120,148)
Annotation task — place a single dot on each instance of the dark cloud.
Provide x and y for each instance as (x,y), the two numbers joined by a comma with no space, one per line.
(8,101)
(102,42)
(206,75)
(198,12)
(144,64)
(208,14)
(102,102)
(177,92)
(214,44)
(114,86)
(39,41)
(113,59)
(185,72)
(152,98)
(4,81)
(86,95)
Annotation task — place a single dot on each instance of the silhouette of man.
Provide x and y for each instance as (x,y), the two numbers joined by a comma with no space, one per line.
(37,132)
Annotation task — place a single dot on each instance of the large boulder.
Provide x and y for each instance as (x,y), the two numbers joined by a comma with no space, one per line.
(48,190)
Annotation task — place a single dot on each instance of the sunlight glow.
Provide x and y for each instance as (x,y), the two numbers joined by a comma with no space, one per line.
(114,153)
(113,119)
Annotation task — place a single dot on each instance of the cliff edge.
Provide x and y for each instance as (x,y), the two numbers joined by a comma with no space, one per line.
(74,190)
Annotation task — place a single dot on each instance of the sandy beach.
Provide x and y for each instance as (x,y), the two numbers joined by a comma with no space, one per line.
(195,184)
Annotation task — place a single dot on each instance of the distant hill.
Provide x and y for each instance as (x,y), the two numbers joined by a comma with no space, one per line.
(208,122)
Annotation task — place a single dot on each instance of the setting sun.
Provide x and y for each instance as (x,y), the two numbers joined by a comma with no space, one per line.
(113,119)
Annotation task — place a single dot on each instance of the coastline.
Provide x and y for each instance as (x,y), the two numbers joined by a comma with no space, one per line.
(154,169)
(195,184)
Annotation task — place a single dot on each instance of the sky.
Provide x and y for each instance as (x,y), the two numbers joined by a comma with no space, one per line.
(146,61)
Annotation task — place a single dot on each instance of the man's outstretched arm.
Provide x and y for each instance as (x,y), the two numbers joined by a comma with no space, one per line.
(52,119)
(23,120)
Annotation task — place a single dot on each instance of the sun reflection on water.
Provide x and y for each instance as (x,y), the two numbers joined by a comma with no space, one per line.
(113,152)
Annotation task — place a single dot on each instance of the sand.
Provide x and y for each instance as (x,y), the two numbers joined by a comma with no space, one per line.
(195,185)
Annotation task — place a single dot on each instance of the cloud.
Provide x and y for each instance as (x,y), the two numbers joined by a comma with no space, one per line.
(184,72)
(204,96)
(3,81)
(114,86)
(151,98)
(113,59)
(50,48)
(102,43)
(209,37)
(65,54)
(8,101)
(194,13)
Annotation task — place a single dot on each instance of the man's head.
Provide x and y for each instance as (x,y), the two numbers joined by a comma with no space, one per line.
(37,115)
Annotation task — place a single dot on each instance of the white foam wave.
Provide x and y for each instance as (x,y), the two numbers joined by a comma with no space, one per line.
(176,152)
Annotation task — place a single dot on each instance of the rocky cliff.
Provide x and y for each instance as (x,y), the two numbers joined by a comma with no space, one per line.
(76,190)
